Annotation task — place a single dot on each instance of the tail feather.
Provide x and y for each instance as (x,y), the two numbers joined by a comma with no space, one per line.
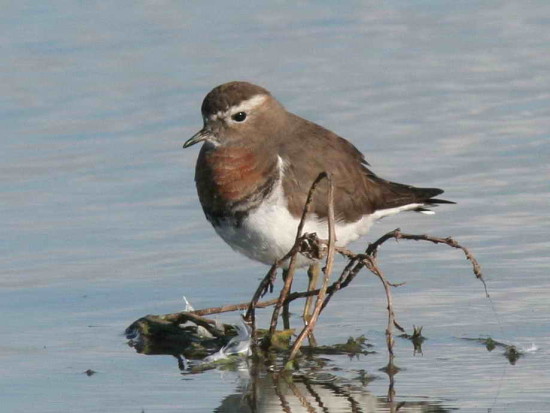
(398,195)
(436,201)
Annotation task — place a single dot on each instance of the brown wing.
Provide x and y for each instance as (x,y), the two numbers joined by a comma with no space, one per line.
(357,190)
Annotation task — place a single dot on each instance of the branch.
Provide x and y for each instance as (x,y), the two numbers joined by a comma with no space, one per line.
(327,270)
(292,266)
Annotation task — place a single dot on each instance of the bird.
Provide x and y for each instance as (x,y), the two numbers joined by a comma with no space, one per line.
(258,162)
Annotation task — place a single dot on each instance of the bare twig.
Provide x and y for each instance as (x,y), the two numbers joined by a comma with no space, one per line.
(327,270)
(350,271)
(313,276)
(266,283)
(372,249)
(185,316)
(451,243)
(250,317)
(269,278)
(286,308)
(313,247)
(283,295)
(397,234)
(292,266)
(370,263)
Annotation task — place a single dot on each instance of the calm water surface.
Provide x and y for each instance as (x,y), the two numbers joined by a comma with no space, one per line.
(101,224)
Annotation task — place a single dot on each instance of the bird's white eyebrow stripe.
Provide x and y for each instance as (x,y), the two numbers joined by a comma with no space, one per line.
(248,104)
(244,106)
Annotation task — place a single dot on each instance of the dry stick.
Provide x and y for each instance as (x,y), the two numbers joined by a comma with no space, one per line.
(286,310)
(327,270)
(397,234)
(183,317)
(250,316)
(282,296)
(372,250)
(343,281)
(266,282)
(313,276)
(286,288)
(239,307)
(345,278)
(348,273)
(269,278)
(451,243)
(357,262)
(391,369)
(370,263)
(260,304)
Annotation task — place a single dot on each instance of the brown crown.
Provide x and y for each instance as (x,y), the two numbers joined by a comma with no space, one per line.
(229,94)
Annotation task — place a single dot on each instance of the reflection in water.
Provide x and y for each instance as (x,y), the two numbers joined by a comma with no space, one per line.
(265,387)
(323,392)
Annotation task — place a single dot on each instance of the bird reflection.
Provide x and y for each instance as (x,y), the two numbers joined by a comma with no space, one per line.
(263,387)
(269,392)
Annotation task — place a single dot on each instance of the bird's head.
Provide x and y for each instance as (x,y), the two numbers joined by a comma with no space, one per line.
(239,113)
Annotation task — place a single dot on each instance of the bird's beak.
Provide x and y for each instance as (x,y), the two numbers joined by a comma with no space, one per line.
(197,137)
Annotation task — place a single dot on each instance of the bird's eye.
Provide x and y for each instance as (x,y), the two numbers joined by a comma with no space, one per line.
(239,117)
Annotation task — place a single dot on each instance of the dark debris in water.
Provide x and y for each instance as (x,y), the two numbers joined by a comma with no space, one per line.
(390,369)
(191,345)
(364,377)
(416,338)
(157,335)
(353,347)
(280,339)
(154,335)
(511,352)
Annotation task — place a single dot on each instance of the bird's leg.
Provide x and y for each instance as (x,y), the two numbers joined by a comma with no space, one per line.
(286,312)
(313,274)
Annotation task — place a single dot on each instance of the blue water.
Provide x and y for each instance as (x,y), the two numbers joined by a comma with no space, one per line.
(102,224)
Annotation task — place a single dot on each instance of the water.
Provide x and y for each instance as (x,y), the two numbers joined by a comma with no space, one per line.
(102,225)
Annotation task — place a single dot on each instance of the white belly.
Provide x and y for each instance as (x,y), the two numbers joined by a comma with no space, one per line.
(269,231)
